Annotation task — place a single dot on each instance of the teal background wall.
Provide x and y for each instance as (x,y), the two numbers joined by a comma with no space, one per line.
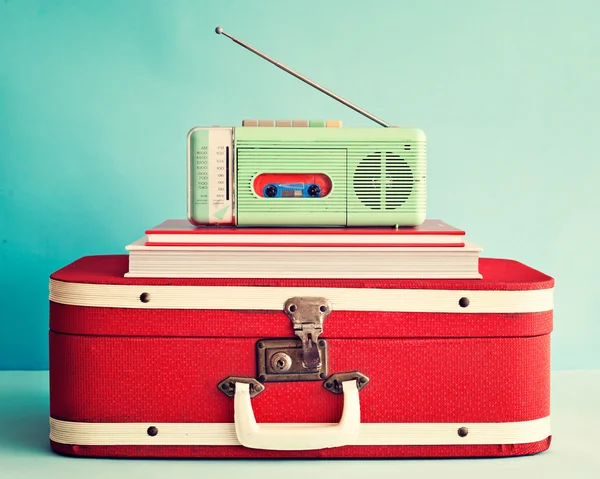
(96,99)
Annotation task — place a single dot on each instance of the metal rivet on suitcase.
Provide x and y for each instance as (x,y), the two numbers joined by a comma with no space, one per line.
(145,297)
(463,302)
(463,431)
(152,431)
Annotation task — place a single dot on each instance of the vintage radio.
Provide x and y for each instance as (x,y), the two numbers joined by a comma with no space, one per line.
(306,172)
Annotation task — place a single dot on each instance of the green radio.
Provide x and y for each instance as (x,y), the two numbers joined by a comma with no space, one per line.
(306,172)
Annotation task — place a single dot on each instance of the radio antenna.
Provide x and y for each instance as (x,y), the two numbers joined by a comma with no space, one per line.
(370,116)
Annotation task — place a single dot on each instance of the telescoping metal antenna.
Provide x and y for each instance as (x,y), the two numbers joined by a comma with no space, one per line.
(370,116)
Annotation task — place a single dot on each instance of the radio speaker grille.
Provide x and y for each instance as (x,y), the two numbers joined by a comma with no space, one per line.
(383,181)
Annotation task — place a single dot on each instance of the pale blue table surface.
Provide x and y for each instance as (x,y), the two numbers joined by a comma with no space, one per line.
(574,453)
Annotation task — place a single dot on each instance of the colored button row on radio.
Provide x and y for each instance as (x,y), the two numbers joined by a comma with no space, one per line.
(294,123)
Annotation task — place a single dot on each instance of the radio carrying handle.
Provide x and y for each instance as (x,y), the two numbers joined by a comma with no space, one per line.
(370,116)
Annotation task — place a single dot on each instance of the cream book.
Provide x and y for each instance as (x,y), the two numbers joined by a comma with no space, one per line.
(303,262)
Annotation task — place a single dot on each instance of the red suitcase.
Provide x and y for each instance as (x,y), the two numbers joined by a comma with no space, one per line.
(299,368)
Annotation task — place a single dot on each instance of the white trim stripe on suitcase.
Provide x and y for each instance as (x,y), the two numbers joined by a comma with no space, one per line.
(272,298)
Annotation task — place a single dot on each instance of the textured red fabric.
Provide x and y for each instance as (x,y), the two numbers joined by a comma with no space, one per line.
(352,452)
(248,324)
(128,379)
(498,274)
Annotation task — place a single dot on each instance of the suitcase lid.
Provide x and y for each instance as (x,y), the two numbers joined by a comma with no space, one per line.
(92,296)
(498,274)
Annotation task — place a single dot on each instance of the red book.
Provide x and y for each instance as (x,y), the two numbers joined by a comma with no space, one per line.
(180,232)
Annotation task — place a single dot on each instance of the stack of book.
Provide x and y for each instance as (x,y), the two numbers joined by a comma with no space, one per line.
(178,249)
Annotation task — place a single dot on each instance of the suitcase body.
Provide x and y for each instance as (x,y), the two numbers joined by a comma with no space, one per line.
(298,368)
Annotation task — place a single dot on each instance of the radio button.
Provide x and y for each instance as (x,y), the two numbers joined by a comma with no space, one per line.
(294,123)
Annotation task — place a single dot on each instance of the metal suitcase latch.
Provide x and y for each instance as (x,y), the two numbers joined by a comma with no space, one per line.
(307,315)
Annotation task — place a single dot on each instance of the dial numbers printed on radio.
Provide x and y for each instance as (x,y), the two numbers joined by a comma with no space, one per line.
(221,155)
(212,176)
(202,172)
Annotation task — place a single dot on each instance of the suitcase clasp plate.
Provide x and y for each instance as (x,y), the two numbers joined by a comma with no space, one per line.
(301,359)
(307,315)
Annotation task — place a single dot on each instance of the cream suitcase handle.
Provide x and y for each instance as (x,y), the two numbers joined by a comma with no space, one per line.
(296,437)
